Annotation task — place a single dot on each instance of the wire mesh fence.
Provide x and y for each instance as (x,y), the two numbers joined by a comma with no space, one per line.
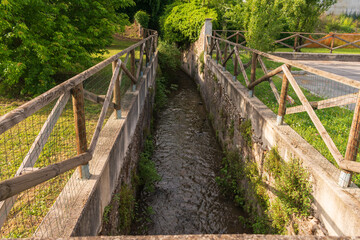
(320,107)
(51,135)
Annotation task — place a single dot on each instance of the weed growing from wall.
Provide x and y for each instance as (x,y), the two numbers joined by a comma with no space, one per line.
(147,171)
(243,182)
(245,131)
(126,201)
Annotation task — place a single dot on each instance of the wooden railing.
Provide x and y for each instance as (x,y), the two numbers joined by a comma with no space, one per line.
(232,50)
(300,40)
(10,188)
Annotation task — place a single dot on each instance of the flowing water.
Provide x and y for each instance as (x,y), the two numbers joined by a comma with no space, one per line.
(187,200)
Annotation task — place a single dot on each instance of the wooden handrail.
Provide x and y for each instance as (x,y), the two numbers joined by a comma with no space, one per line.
(16,185)
(332,76)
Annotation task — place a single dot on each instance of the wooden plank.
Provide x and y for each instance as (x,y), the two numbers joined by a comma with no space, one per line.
(79,119)
(16,185)
(15,116)
(35,150)
(350,166)
(232,35)
(286,45)
(332,76)
(242,69)
(128,73)
(328,103)
(228,57)
(140,61)
(282,100)
(253,69)
(354,136)
(219,53)
(104,108)
(348,43)
(98,99)
(314,118)
(265,77)
(283,39)
(314,41)
(272,85)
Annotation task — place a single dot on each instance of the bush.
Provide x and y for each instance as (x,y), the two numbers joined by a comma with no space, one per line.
(183,24)
(169,56)
(142,18)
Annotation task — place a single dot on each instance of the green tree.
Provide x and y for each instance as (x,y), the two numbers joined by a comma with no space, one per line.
(142,18)
(303,15)
(39,39)
(183,24)
(262,22)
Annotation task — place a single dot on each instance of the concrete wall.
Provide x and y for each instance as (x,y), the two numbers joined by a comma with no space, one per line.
(345,6)
(78,211)
(337,208)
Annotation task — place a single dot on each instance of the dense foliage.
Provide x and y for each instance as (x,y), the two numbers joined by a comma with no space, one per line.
(142,18)
(39,39)
(262,22)
(303,15)
(183,24)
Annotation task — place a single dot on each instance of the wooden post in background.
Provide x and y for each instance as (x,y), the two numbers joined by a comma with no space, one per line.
(283,94)
(132,59)
(80,127)
(296,43)
(352,145)
(332,43)
(253,72)
(117,96)
(235,59)
(225,55)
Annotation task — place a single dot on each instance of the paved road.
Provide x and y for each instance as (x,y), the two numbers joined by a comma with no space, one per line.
(327,88)
(346,69)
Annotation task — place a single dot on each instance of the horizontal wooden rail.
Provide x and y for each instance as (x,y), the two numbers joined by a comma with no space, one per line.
(332,76)
(98,99)
(16,185)
(328,103)
(265,77)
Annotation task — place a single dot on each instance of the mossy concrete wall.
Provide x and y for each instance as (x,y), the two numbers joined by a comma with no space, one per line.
(79,209)
(228,103)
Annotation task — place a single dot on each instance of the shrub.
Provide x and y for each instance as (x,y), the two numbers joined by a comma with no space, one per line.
(184,22)
(142,18)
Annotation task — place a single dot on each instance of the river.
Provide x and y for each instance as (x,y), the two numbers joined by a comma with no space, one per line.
(187,200)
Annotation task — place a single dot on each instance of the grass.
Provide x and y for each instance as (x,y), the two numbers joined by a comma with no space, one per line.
(337,121)
(322,50)
(33,204)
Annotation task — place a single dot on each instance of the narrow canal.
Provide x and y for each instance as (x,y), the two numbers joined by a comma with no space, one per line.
(187,200)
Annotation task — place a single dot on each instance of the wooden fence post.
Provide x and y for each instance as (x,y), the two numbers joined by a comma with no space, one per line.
(225,55)
(80,127)
(332,43)
(352,145)
(132,56)
(253,72)
(235,59)
(117,96)
(282,104)
(296,43)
